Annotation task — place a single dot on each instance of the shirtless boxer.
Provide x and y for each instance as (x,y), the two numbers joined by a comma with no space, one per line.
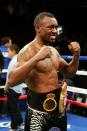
(38,65)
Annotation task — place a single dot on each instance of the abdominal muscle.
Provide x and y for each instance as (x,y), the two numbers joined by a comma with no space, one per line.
(43,82)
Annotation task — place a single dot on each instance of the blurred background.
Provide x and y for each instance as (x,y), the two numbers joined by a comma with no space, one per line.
(16,20)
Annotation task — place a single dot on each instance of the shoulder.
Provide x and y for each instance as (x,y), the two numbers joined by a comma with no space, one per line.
(55,51)
(26,52)
(23,50)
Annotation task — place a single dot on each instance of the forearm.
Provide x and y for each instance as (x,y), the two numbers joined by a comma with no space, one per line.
(6,88)
(73,65)
(20,74)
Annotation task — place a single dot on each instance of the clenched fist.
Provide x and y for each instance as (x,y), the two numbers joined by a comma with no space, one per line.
(74,47)
(44,52)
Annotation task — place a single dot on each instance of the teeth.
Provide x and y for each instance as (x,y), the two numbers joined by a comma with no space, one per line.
(52,36)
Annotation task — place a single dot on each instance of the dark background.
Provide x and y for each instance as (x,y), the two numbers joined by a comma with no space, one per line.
(16,20)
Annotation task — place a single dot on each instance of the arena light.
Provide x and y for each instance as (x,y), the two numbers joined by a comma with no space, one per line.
(60,30)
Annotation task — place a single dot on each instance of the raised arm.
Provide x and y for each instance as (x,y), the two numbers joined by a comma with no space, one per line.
(23,68)
(69,69)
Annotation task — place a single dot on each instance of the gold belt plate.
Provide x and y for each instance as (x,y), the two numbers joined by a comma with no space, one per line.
(50,103)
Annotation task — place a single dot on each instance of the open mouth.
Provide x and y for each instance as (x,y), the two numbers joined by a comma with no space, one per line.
(53,36)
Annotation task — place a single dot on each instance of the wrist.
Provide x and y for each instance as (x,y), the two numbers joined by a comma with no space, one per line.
(36,58)
(76,56)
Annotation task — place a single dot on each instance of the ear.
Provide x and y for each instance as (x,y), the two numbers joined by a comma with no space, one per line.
(37,28)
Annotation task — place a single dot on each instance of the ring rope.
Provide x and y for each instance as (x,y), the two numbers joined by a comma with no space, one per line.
(21,97)
(76,89)
(69,101)
(68,57)
(70,88)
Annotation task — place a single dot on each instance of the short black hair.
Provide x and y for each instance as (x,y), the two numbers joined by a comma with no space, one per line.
(4,40)
(14,47)
(40,16)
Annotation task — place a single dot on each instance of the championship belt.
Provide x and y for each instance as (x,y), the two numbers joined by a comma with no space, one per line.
(63,95)
(50,103)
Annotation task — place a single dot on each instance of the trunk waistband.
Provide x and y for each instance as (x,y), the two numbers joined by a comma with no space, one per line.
(51,102)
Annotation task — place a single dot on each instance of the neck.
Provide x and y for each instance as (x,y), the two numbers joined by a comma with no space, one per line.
(39,42)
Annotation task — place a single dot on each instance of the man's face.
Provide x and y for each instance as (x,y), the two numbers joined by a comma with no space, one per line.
(48,30)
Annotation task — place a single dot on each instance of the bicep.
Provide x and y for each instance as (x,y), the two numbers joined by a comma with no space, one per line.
(17,63)
(23,56)
(63,65)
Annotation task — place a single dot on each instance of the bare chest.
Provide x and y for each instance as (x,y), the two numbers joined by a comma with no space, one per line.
(48,64)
